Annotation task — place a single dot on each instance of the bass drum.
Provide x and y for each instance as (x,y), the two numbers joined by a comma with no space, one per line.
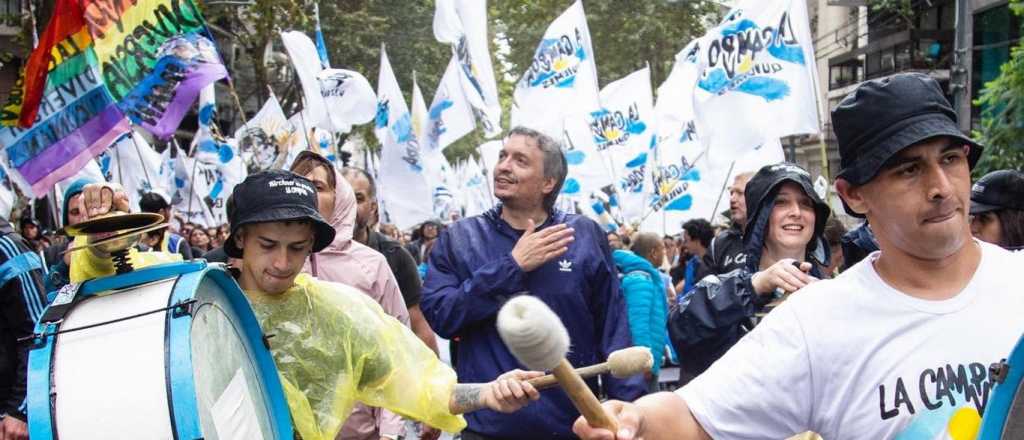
(1004,411)
(166,352)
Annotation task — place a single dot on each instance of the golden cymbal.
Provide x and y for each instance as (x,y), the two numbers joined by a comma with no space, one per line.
(114,223)
(118,241)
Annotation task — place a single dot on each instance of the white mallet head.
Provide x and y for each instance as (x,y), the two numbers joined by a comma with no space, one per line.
(630,361)
(533,333)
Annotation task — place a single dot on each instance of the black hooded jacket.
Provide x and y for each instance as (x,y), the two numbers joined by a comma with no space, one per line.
(718,312)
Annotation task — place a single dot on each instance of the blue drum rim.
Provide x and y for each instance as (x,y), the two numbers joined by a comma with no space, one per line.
(183,411)
(180,378)
(998,406)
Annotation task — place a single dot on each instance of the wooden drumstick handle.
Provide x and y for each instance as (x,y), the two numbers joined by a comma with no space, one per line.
(549,380)
(582,398)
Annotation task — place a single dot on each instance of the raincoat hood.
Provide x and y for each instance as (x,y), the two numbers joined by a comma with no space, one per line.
(343,218)
(350,262)
(760,199)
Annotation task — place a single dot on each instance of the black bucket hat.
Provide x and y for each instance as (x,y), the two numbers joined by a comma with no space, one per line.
(275,196)
(886,115)
(1003,189)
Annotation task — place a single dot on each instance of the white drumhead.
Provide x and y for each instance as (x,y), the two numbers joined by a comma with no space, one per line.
(110,379)
(228,391)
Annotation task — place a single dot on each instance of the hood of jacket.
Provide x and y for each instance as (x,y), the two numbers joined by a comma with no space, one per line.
(350,262)
(760,199)
(343,217)
(627,262)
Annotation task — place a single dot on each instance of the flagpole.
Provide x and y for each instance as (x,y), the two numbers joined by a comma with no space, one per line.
(143,162)
(724,183)
(682,173)
(120,169)
(191,184)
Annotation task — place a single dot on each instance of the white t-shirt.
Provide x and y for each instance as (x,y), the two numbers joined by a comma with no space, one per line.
(853,358)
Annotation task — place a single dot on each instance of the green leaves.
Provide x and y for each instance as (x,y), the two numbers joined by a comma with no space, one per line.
(1002,119)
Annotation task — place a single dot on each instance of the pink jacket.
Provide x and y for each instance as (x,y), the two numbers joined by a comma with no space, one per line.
(349,262)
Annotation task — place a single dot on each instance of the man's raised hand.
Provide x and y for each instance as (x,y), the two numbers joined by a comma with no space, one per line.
(535,248)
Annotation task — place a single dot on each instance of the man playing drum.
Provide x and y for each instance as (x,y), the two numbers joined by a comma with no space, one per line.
(332,344)
(896,345)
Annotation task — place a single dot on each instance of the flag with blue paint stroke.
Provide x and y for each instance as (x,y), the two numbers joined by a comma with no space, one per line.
(758,78)
(450,116)
(562,78)
(403,183)
(463,24)
(623,130)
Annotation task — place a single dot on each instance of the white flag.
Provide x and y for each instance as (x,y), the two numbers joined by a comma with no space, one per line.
(682,184)
(420,115)
(587,168)
(307,67)
(193,181)
(259,138)
(450,116)
(562,77)
(463,24)
(476,190)
(623,130)
(349,98)
(403,183)
(133,163)
(489,153)
(758,77)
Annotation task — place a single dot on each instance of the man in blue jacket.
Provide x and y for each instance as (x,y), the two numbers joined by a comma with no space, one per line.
(525,246)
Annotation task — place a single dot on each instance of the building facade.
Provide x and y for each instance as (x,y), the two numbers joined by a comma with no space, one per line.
(855,41)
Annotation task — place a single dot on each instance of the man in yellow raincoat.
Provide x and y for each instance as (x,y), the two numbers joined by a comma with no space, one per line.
(332,345)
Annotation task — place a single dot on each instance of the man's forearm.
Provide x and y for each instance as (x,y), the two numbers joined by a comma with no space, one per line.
(666,416)
(466,397)
(421,328)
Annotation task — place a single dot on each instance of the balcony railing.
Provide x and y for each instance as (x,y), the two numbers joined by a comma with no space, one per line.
(11,12)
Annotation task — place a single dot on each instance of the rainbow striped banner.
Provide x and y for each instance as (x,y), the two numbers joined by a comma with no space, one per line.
(76,121)
(100,64)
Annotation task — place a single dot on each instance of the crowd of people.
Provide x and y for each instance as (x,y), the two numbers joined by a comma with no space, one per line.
(780,320)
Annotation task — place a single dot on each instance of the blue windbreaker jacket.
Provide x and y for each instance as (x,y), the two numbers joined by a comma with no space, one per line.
(472,273)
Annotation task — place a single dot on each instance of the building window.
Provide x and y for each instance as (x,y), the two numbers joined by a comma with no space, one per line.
(10,12)
(841,75)
(996,30)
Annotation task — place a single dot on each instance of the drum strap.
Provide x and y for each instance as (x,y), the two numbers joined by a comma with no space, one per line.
(62,304)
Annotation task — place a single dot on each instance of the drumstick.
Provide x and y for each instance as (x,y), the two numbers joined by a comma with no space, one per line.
(537,338)
(621,364)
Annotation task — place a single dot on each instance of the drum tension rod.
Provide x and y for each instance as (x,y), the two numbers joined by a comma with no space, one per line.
(186,305)
(998,371)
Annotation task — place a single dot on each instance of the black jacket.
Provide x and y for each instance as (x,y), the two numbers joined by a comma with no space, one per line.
(720,309)
(402,264)
(22,301)
(725,254)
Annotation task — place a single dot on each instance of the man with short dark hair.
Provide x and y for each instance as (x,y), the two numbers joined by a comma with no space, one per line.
(876,351)
(164,240)
(697,236)
(526,246)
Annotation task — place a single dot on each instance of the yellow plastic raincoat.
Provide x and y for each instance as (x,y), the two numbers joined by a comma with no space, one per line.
(333,346)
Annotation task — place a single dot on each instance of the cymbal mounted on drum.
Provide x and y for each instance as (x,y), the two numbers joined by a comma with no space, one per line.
(113,235)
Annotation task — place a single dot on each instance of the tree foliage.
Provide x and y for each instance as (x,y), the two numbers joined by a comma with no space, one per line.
(626,36)
(1002,118)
